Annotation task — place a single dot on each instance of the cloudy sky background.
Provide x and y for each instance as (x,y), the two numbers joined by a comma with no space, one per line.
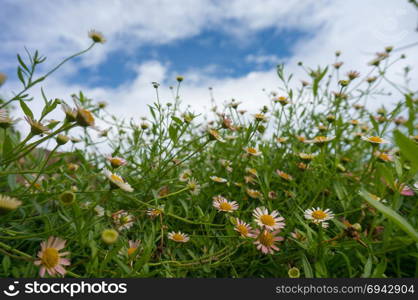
(232,46)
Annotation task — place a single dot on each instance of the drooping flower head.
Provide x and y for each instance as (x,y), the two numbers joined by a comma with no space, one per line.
(36,128)
(84,117)
(70,113)
(97,36)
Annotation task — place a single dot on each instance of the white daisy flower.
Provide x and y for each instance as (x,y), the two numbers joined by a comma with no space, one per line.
(118,181)
(319,216)
(270,221)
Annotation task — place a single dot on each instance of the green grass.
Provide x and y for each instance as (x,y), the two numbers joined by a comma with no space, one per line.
(373,232)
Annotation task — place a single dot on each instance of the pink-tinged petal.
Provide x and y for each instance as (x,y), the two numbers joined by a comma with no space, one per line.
(64,261)
(406,191)
(51,271)
(59,244)
(275,248)
(42,272)
(37,262)
(64,253)
(50,242)
(60,270)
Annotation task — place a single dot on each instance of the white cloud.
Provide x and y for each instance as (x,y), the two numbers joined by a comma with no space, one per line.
(262,59)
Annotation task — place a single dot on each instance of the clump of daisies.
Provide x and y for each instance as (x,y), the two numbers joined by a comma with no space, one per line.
(267,235)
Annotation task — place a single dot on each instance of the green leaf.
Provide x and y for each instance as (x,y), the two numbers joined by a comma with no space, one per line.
(374,123)
(340,190)
(391,215)
(20,76)
(11,181)
(7,146)
(6,264)
(306,267)
(409,149)
(380,270)
(172,132)
(177,120)
(122,265)
(22,63)
(411,114)
(26,109)
(367,268)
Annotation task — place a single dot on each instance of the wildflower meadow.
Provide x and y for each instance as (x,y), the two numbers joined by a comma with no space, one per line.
(315,184)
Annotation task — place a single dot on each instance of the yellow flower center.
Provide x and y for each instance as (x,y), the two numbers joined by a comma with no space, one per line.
(50,257)
(319,215)
(375,139)
(225,206)
(156,212)
(242,229)
(131,250)
(178,237)
(384,157)
(116,161)
(254,193)
(116,178)
(252,150)
(285,176)
(266,239)
(267,220)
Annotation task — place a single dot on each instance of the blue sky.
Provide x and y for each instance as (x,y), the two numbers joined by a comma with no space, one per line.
(213,51)
(232,46)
